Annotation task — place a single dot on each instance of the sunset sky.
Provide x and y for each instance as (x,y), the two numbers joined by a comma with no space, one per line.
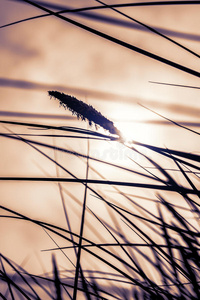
(48,53)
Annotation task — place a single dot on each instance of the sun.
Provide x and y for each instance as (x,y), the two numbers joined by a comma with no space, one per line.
(132,122)
(135,131)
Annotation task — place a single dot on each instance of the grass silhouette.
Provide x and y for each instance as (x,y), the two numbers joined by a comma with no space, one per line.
(125,245)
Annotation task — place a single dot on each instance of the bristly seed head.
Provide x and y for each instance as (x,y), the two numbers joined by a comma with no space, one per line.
(84,111)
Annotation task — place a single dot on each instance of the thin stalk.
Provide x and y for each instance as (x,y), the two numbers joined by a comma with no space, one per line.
(81,233)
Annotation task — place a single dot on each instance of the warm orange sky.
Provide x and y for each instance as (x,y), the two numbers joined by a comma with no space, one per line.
(50,54)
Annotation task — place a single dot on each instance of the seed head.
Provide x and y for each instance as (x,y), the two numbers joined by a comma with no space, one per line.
(84,111)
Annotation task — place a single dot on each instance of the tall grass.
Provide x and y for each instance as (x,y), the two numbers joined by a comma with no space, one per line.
(136,237)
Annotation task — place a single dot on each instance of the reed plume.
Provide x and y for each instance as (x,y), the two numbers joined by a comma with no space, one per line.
(84,111)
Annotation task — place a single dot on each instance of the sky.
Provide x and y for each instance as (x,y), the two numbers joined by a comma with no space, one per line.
(48,53)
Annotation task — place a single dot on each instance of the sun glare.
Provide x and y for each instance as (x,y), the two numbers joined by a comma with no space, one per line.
(137,131)
(131,121)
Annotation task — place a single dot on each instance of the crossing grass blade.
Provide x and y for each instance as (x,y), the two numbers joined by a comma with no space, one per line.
(144,244)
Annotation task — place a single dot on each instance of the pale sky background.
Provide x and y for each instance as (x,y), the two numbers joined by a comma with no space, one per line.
(51,54)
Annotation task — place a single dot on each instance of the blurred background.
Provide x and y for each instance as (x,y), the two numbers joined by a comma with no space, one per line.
(47,53)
